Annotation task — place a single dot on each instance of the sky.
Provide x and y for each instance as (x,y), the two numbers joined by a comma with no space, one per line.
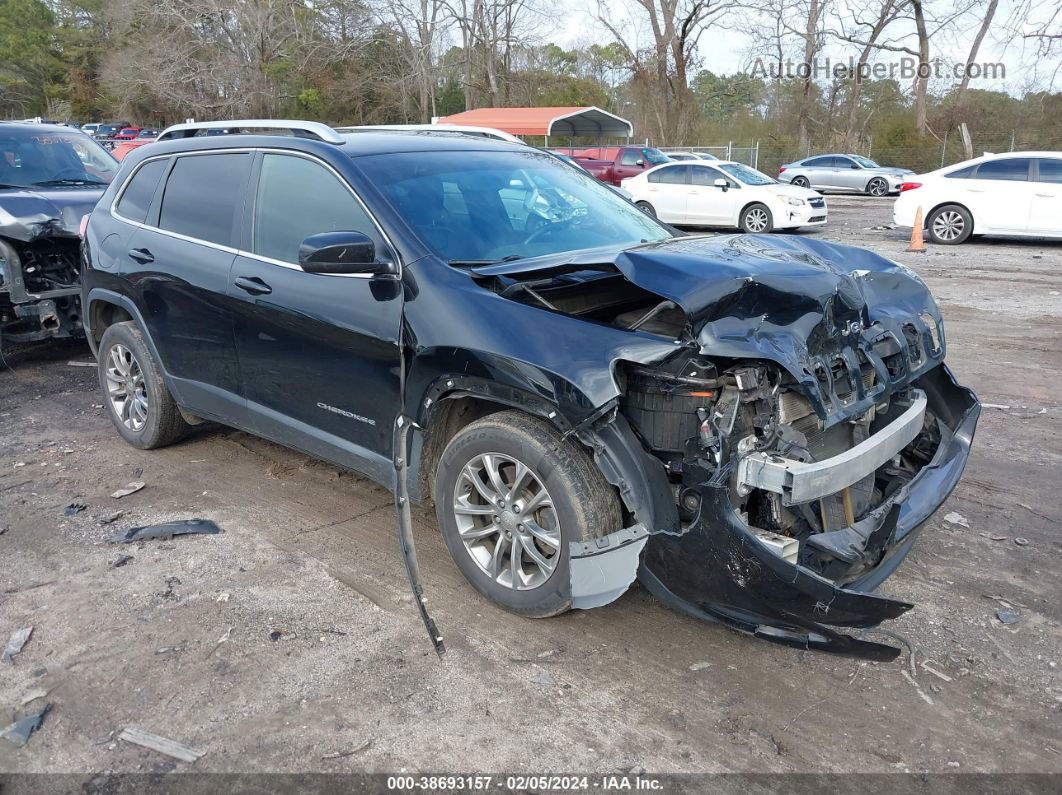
(725,51)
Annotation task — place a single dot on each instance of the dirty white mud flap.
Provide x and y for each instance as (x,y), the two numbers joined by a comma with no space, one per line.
(601,570)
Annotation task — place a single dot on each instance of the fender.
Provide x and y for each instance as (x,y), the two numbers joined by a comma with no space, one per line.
(106,296)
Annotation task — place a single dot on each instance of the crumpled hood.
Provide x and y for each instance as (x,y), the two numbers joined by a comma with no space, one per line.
(798,301)
(27,213)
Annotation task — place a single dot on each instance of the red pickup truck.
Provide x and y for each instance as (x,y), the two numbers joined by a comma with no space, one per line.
(612,164)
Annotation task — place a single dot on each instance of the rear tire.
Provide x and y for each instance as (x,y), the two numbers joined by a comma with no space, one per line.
(646,208)
(800,182)
(136,397)
(756,219)
(563,498)
(949,225)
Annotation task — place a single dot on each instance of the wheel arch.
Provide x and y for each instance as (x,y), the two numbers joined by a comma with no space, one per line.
(748,204)
(938,205)
(106,307)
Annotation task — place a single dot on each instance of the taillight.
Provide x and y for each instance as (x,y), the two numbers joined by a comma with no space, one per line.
(781,169)
(84,226)
(909,186)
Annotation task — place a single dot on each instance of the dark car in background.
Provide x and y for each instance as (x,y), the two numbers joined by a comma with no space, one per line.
(50,178)
(844,173)
(756,426)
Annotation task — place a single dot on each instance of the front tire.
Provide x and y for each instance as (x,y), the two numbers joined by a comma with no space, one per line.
(877,187)
(646,208)
(510,495)
(949,225)
(136,397)
(756,219)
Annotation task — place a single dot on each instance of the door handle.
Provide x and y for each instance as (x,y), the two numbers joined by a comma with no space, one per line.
(975,190)
(1047,195)
(141,255)
(253,285)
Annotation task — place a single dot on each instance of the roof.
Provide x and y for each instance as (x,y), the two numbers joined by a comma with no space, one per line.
(588,120)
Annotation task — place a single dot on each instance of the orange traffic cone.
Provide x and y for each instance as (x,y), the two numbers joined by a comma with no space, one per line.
(917,244)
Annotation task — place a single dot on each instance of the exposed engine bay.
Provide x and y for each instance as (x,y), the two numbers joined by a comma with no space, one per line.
(40,289)
(805,423)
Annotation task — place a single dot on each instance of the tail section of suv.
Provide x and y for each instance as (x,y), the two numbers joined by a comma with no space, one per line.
(756,427)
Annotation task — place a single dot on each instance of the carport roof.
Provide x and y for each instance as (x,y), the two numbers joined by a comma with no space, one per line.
(588,120)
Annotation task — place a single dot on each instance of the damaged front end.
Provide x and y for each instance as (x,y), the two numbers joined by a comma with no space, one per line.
(777,466)
(40,289)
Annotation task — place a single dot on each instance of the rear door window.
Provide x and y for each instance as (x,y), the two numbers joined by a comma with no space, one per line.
(137,196)
(819,162)
(1050,170)
(1009,168)
(671,175)
(298,198)
(202,195)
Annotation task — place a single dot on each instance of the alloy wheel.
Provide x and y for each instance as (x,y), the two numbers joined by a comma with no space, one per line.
(948,225)
(801,182)
(756,219)
(507,521)
(877,187)
(126,388)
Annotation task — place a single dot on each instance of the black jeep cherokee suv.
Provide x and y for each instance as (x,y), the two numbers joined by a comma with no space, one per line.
(755,426)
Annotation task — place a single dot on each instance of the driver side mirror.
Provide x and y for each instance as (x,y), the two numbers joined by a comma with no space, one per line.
(722,183)
(339,253)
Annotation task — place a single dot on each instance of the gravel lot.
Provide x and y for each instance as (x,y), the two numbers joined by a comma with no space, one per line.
(288,642)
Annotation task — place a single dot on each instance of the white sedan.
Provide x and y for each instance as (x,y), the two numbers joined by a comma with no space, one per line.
(1016,193)
(724,193)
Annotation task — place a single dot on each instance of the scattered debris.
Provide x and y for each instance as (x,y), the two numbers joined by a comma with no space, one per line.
(33,695)
(106,520)
(999,406)
(340,754)
(74,508)
(132,488)
(957,518)
(1008,616)
(1021,542)
(221,640)
(282,634)
(19,732)
(160,744)
(80,364)
(998,538)
(543,655)
(935,672)
(3,529)
(700,666)
(120,561)
(166,530)
(914,684)
(222,597)
(15,643)
(169,592)
(169,649)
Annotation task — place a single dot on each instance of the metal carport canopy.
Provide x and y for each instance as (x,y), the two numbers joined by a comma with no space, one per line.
(584,121)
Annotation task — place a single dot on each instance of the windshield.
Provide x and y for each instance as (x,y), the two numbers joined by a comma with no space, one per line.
(54,158)
(655,156)
(505,205)
(865,162)
(749,176)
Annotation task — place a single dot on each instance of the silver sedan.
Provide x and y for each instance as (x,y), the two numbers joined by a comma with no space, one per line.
(844,172)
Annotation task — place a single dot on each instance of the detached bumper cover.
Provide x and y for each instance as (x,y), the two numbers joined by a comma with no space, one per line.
(717,570)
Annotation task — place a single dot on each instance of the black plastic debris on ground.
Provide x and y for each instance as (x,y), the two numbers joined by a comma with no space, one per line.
(18,733)
(166,530)
(1008,616)
(74,508)
(120,561)
(15,644)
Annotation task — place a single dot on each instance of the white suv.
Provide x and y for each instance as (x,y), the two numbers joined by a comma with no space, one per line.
(1017,193)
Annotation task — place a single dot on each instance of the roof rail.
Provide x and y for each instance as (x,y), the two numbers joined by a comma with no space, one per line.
(301,129)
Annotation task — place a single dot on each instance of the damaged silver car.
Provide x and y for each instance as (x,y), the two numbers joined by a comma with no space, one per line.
(753,426)
(50,178)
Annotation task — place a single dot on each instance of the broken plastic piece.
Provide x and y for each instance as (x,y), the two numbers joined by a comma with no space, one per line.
(160,744)
(15,643)
(602,569)
(132,488)
(74,508)
(18,733)
(166,530)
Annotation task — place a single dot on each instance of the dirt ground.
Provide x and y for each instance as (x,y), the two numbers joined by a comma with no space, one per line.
(289,642)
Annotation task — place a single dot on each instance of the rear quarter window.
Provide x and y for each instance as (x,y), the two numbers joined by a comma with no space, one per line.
(137,195)
(202,194)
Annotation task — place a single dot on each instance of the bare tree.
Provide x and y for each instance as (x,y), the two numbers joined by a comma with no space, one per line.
(419,24)
(663,68)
